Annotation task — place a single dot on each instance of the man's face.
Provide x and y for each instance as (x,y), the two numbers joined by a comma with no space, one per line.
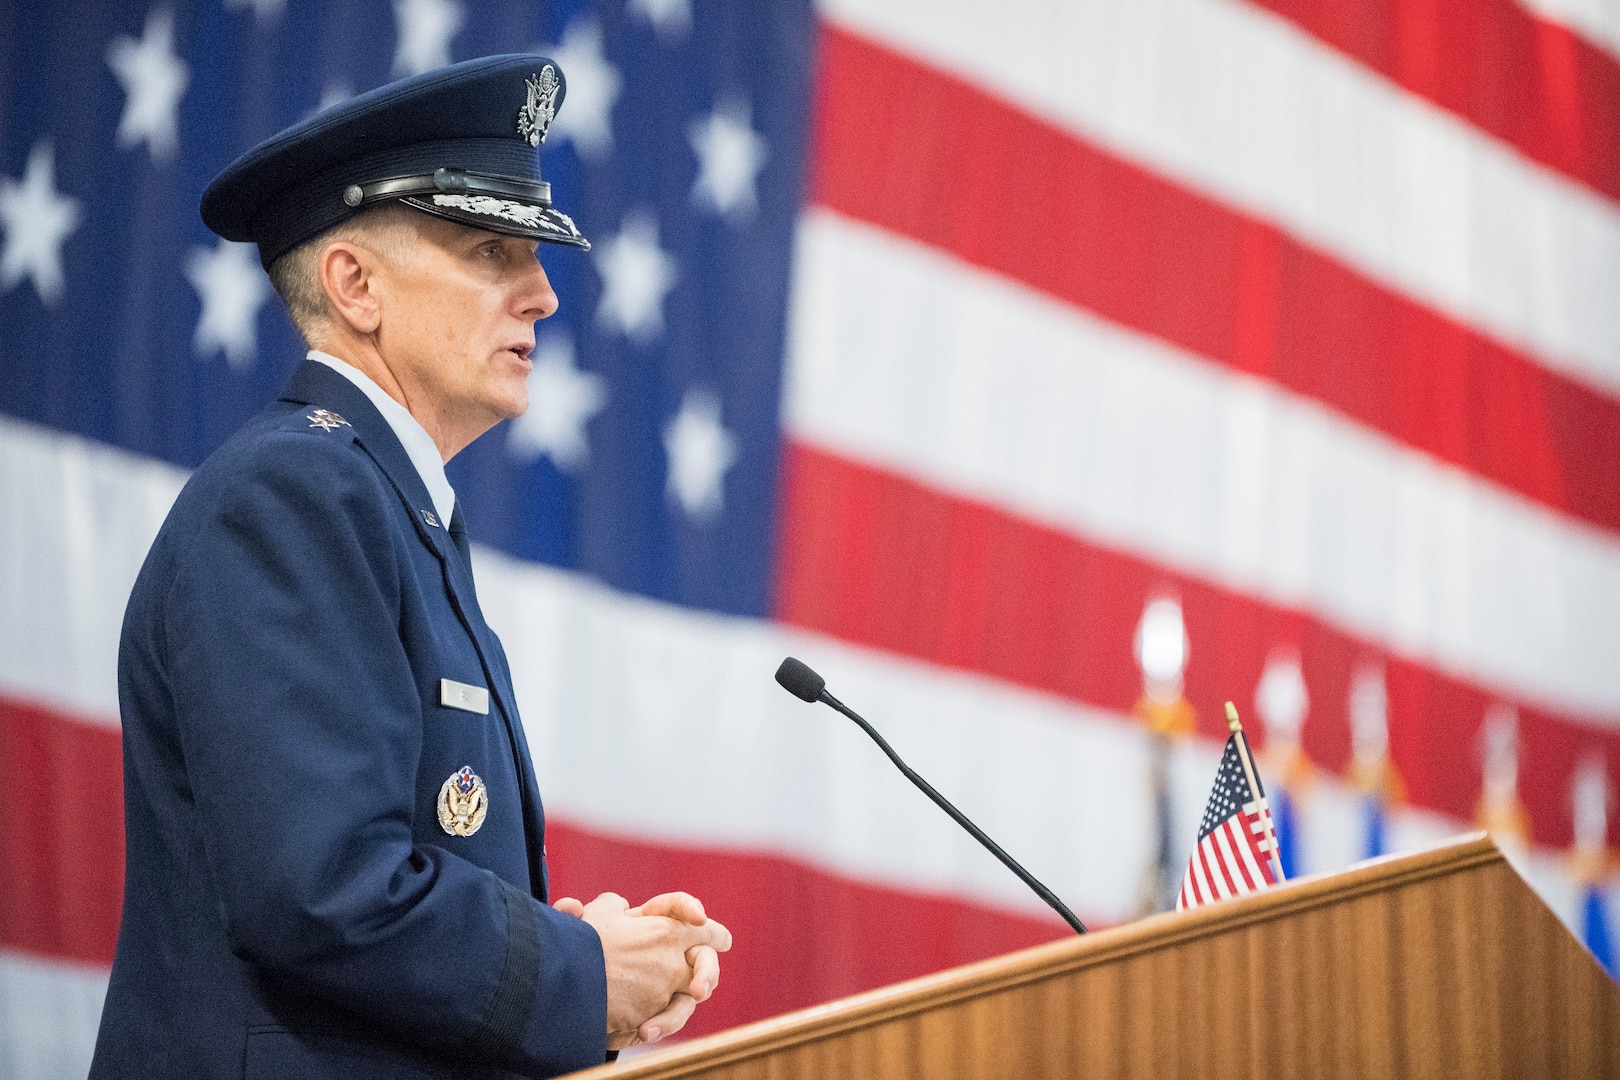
(458,314)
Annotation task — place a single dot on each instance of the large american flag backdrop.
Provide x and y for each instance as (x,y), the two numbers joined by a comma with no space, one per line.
(933,342)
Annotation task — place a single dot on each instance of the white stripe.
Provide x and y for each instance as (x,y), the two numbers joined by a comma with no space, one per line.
(68,559)
(49,1012)
(1202,893)
(1200,886)
(1059,786)
(1234,101)
(915,362)
(657,722)
(1246,853)
(1213,874)
(1598,21)
(1209,883)
(1229,858)
(1259,827)
(1262,842)
(1224,866)
(1236,863)
(680,702)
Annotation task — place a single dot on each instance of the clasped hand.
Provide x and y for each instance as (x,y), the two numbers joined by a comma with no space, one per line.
(662,960)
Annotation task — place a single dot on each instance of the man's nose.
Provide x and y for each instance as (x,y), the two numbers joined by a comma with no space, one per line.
(538,298)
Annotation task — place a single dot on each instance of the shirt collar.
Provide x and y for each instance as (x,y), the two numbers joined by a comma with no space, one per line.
(419,445)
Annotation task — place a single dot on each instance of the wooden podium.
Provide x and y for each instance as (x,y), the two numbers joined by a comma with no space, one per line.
(1442,964)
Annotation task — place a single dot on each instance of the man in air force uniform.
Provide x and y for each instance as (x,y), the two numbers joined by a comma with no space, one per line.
(335,841)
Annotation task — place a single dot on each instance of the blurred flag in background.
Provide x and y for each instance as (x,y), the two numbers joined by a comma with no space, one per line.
(932,342)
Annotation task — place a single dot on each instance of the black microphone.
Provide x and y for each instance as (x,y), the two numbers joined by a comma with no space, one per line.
(797,679)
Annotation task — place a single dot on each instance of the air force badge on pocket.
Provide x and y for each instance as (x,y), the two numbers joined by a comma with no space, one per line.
(463,802)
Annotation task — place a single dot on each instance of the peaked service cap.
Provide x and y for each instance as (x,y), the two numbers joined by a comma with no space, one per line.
(461,142)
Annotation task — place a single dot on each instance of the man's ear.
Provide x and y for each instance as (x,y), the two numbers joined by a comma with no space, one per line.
(348,274)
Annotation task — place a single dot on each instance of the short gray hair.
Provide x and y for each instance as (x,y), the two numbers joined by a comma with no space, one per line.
(386,230)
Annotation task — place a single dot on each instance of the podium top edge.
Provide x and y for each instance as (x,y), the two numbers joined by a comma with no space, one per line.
(1456,855)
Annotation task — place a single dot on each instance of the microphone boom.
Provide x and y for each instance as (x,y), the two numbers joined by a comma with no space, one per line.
(799,680)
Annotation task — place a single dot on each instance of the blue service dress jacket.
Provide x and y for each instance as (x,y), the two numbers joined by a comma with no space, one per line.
(293,906)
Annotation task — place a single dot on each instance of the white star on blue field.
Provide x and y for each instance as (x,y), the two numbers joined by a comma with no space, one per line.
(153,78)
(586,118)
(730,155)
(423,31)
(36,218)
(232,288)
(562,400)
(700,451)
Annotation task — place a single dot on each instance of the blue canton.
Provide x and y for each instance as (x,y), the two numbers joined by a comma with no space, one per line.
(1230,793)
(650,458)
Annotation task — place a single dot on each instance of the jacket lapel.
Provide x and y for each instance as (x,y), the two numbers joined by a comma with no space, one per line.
(500,675)
(317,384)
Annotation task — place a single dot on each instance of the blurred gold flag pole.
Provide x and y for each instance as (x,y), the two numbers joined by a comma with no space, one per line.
(1235,726)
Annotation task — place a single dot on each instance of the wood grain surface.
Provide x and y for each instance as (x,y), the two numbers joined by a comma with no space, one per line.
(1438,964)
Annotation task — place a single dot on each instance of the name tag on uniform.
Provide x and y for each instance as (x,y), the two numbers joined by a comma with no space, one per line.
(460,695)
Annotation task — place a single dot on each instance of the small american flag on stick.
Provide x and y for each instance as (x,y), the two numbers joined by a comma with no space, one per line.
(1236,839)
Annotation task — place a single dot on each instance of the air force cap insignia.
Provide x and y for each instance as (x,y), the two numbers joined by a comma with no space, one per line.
(540,109)
(463,802)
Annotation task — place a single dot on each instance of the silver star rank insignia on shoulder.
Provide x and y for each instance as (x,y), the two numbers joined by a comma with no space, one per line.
(326,420)
(463,802)
(540,110)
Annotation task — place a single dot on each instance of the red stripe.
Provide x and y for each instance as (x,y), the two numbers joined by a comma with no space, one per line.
(1237,880)
(1263,860)
(61,835)
(1229,874)
(803,935)
(879,559)
(1240,868)
(1251,844)
(1214,870)
(63,885)
(1202,886)
(915,151)
(1531,83)
(1195,891)
(1254,839)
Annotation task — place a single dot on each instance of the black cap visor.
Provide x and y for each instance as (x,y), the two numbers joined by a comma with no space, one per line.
(500,204)
(502,214)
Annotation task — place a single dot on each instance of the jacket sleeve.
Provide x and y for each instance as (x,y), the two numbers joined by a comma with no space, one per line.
(300,724)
